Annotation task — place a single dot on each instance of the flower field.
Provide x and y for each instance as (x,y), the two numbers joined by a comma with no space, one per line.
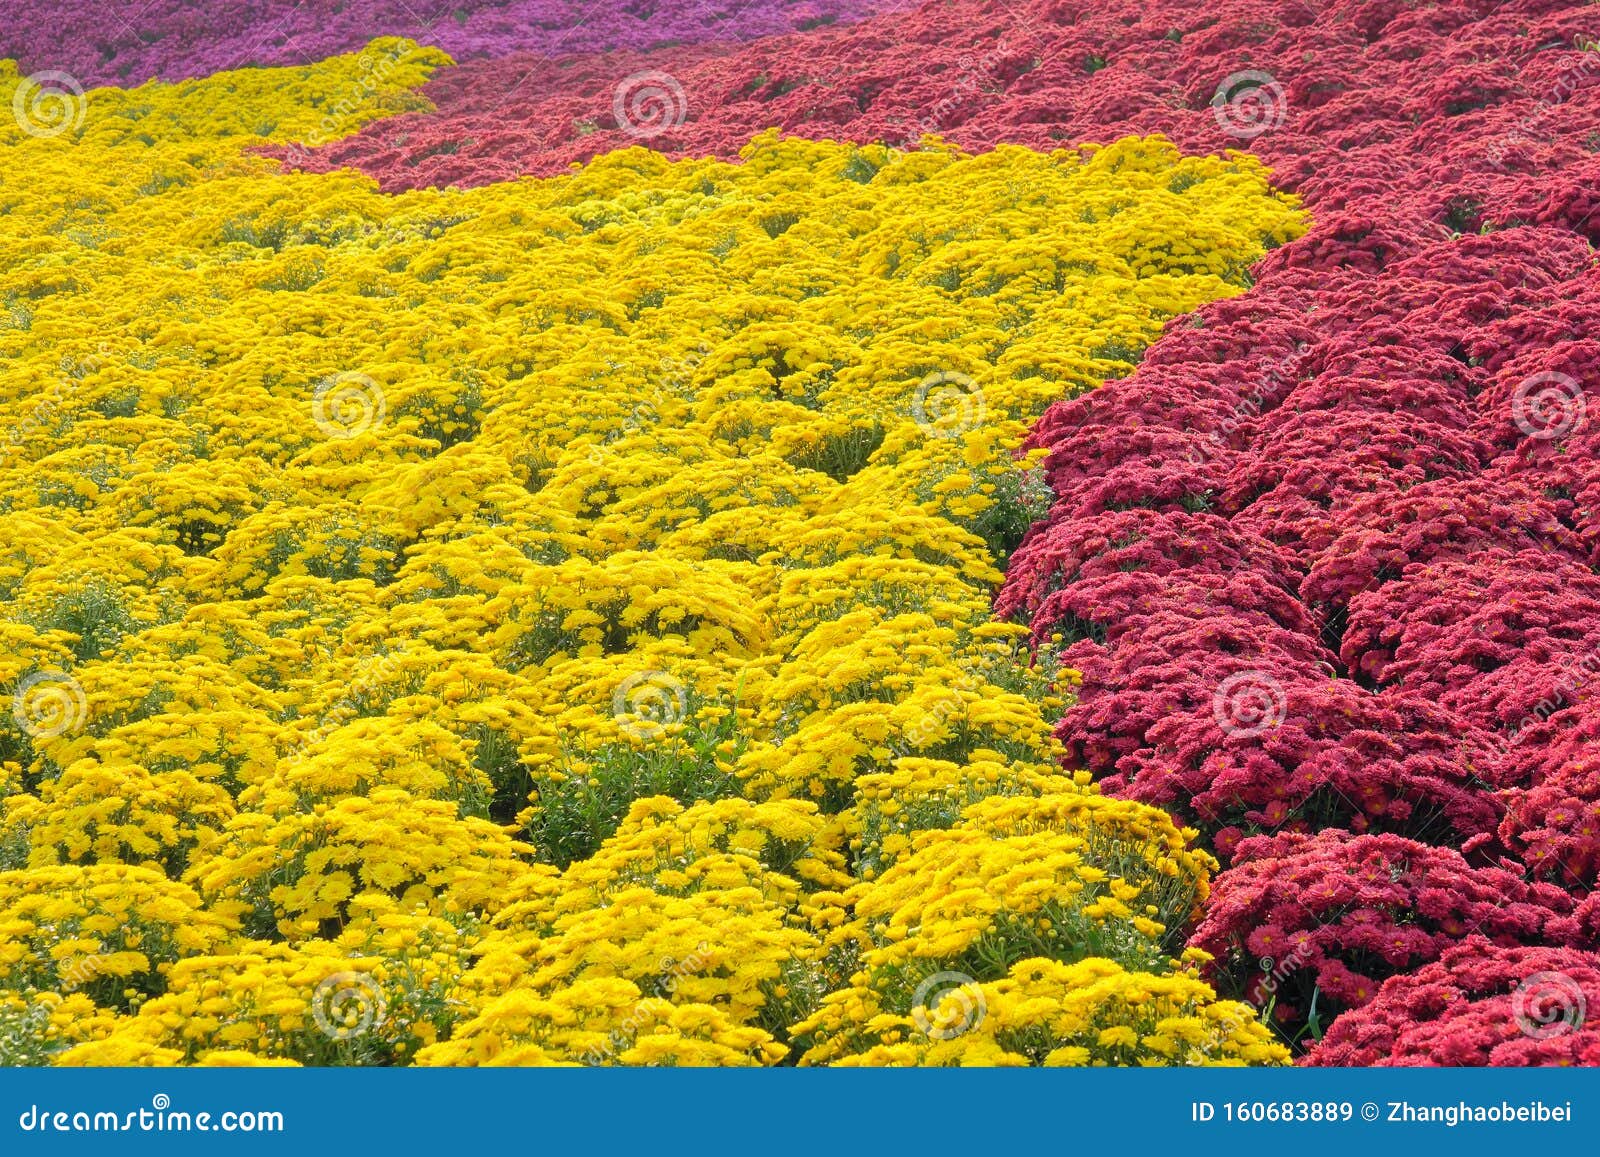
(833,533)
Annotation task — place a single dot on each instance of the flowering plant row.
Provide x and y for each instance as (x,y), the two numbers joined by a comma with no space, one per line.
(175,40)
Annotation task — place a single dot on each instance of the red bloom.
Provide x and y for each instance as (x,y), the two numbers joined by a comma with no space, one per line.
(1334,915)
(1478,1004)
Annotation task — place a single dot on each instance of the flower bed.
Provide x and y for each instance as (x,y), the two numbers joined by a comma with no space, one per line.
(550,623)
(177,39)
(1321,559)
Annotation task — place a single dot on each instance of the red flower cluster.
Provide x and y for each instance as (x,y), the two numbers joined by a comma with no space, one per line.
(1477,633)
(1553,821)
(1479,1004)
(1320,755)
(1330,916)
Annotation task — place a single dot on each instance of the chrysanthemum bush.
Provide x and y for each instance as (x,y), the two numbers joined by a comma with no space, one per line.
(1313,925)
(550,623)
(1020,885)
(1045,1012)
(109,931)
(1479,1004)
(1553,817)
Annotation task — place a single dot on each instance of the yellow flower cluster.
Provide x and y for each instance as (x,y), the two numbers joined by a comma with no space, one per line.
(548,623)
(1091,1012)
(386,988)
(107,930)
